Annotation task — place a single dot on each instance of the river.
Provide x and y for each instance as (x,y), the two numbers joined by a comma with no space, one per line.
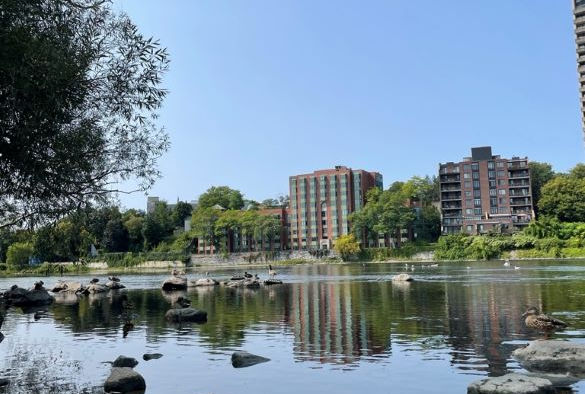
(329,328)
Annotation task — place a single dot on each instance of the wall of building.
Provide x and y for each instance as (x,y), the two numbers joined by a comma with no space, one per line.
(254,258)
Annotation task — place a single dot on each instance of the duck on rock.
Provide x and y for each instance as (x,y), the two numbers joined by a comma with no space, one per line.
(535,319)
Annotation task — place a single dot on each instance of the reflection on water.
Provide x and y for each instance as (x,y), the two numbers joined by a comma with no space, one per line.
(330,327)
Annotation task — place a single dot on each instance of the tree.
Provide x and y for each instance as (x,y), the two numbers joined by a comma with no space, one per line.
(223,196)
(134,225)
(428,224)
(203,224)
(228,223)
(181,211)
(563,198)
(18,255)
(115,238)
(578,171)
(540,174)
(268,228)
(80,93)
(347,246)
(152,232)
(270,202)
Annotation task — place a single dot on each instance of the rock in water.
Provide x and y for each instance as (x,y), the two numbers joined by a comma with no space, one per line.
(124,380)
(1,337)
(95,288)
(4,382)
(178,315)
(552,356)
(205,282)
(245,359)
(174,283)
(269,282)
(151,356)
(123,361)
(512,383)
(18,296)
(402,278)
(113,285)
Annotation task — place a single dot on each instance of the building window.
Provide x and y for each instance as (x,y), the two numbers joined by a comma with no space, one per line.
(476,184)
(477,202)
(467,184)
(490,165)
(491,174)
(468,193)
(469,211)
(469,203)
(476,193)
(502,201)
(476,175)
(466,167)
(477,211)
(500,164)
(502,192)
(494,210)
(493,202)
(501,182)
(469,228)
(493,192)
(466,175)
(475,167)
(501,174)
(503,210)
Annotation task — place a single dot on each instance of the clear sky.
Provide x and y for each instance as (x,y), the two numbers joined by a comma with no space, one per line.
(260,90)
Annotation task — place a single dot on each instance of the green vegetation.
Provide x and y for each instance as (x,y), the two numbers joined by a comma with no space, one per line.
(405,252)
(347,246)
(18,255)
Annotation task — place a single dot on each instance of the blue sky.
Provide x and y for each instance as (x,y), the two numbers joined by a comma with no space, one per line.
(260,90)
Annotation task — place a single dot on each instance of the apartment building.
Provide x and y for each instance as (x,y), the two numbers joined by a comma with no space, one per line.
(320,203)
(579,22)
(485,193)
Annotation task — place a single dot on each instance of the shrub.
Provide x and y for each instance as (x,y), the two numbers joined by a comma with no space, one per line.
(452,247)
(18,254)
(347,246)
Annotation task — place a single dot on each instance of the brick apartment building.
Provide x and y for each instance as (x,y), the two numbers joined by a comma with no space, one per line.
(579,22)
(321,202)
(485,192)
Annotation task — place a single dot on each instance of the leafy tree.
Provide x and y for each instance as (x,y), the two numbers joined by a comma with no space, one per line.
(228,223)
(564,198)
(578,171)
(347,246)
(134,225)
(152,232)
(221,195)
(203,224)
(268,228)
(270,202)
(18,255)
(248,222)
(428,223)
(181,211)
(115,238)
(540,174)
(80,93)
(364,220)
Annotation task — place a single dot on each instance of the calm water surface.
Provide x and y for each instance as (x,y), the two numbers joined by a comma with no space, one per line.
(337,328)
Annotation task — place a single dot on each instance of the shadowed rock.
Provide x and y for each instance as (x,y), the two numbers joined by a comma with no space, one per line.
(269,282)
(245,359)
(151,356)
(95,288)
(114,285)
(18,296)
(174,283)
(511,383)
(177,315)
(68,287)
(402,278)
(4,382)
(124,380)
(123,361)
(205,282)
(553,356)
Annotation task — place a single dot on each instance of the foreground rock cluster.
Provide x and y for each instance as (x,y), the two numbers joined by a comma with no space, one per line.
(123,378)
(551,364)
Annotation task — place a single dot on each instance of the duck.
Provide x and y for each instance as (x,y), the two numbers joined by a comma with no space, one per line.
(114,278)
(247,275)
(94,281)
(127,305)
(271,272)
(534,319)
(434,265)
(516,267)
(506,263)
(39,285)
(183,302)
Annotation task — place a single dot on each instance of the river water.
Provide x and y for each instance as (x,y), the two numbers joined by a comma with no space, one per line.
(329,328)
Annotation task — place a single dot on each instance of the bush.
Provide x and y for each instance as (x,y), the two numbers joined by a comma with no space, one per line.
(3,267)
(18,254)
(452,247)
(347,246)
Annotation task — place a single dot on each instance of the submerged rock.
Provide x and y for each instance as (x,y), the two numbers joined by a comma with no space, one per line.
(1,337)
(95,288)
(205,282)
(553,356)
(269,282)
(245,359)
(177,315)
(4,382)
(247,283)
(512,383)
(175,283)
(151,356)
(402,278)
(124,380)
(123,361)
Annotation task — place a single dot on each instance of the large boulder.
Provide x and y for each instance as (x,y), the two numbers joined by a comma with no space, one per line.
(205,282)
(512,383)
(177,315)
(95,288)
(245,359)
(4,382)
(553,356)
(113,285)
(69,287)
(402,278)
(125,362)
(18,296)
(124,380)
(175,283)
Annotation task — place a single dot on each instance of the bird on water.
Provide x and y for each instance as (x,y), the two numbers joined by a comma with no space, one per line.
(271,272)
(539,321)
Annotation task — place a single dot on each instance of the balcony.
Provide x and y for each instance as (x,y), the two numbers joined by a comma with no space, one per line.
(452,215)
(452,222)
(451,205)
(525,192)
(445,188)
(446,196)
(516,211)
(518,174)
(449,170)
(450,178)
(520,201)
(518,183)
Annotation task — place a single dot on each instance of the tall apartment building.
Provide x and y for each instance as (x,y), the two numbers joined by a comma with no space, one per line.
(485,192)
(579,21)
(321,202)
